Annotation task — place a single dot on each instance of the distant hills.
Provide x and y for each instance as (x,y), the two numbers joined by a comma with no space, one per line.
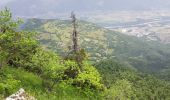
(101,44)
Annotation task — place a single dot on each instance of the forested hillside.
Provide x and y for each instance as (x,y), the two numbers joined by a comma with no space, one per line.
(101,44)
(48,75)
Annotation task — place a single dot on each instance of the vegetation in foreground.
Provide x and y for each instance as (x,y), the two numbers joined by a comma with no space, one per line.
(46,76)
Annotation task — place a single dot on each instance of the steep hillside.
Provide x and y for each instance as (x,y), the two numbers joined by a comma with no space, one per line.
(47,76)
(101,43)
(119,78)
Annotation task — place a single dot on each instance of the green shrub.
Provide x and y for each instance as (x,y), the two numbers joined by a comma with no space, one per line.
(9,85)
(17,47)
(48,65)
(90,78)
(121,90)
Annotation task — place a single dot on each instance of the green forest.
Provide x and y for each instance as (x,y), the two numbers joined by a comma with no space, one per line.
(111,66)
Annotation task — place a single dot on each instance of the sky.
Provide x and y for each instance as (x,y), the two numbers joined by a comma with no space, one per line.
(54,8)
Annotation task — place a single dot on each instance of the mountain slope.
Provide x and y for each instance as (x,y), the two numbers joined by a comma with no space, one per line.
(101,43)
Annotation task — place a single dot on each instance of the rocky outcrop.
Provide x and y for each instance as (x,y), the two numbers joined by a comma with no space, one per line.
(20,95)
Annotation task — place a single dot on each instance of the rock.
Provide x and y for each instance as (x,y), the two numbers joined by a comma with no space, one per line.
(20,95)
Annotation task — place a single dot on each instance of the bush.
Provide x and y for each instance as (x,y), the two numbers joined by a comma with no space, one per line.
(17,47)
(49,66)
(88,78)
(12,79)
(121,90)
(9,85)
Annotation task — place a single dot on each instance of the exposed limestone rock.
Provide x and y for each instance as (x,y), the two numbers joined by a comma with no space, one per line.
(20,95)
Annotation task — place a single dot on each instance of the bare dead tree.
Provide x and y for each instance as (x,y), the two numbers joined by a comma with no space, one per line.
(75,41)
(74,34)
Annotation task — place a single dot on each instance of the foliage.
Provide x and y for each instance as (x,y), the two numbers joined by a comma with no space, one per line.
(13,79)
(119,78)
(48,77)
(121,90)
(49,66)
(54,70)
(100,43)
(9,85)
(21,51)
(15,46)
(112,70)
(79,57)
(6,24)
(89,78)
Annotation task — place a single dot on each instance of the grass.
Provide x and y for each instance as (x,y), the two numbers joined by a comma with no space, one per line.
(32,84)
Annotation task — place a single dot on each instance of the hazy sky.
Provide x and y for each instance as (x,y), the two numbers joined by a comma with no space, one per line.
(52,8)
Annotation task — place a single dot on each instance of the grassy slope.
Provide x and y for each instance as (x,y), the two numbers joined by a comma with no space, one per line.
(143,86)
(14,79)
